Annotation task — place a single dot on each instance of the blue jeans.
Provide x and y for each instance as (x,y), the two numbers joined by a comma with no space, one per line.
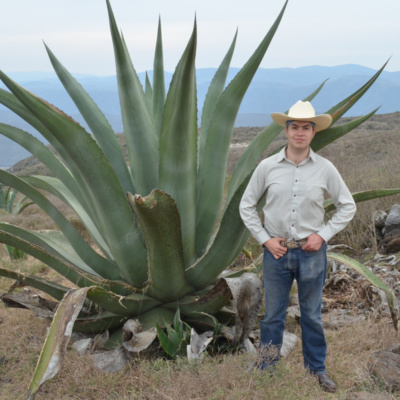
(309,270)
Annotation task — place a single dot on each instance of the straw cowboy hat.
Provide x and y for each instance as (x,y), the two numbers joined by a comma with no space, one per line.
(303,111)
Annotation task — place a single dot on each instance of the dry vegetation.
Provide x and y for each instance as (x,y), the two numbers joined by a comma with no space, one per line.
(367,158)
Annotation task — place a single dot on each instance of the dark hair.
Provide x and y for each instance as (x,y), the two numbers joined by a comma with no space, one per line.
(292,120)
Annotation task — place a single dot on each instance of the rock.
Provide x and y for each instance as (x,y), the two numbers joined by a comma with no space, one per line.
(385,365)
(380,219)
(392,223)
(110,361)
(290,341)
(367,396)
(391,243)
(294,300)
(82,346)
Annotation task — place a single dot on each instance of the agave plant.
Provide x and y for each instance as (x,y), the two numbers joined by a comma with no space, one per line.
(165,223)
(8,203)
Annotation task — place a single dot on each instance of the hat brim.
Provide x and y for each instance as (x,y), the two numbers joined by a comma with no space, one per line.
(321,121)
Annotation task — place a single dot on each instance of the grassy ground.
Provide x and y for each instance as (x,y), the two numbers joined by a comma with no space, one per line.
(219,377)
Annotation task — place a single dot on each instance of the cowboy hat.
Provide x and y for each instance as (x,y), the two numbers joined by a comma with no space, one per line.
(303,111)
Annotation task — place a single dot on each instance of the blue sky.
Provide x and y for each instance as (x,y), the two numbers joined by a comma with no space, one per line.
(312,32)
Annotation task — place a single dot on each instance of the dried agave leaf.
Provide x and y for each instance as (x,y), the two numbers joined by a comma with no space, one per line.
(198,343)
(55,346)
(247,296)
(136,339)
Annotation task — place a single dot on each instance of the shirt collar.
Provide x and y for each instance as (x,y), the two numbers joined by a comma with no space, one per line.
(282,155)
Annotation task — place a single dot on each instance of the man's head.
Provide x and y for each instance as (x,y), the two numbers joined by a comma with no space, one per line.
(303,111)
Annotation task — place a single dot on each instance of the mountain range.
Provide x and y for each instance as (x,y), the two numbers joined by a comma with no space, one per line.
(271,90)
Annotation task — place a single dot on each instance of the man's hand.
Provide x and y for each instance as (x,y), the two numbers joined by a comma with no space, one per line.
(275,248)
(314,243)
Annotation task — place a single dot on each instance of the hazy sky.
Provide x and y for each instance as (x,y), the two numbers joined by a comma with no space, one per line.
(312,32)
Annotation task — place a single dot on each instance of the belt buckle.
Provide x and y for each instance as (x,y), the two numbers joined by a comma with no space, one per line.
(293,244)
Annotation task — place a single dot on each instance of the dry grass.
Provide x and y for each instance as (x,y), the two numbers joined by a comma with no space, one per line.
(220,377)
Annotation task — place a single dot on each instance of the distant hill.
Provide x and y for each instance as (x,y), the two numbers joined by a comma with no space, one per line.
(271,90)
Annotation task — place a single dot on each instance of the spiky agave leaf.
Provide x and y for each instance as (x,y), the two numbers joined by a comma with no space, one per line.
(178,146)
(212,173)
(159,219)
(139,128)
(363,196)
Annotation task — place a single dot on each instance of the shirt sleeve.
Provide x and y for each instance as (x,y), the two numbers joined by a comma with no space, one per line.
(248,205)
(344,202)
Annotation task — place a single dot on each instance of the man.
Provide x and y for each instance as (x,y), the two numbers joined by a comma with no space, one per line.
(294,233)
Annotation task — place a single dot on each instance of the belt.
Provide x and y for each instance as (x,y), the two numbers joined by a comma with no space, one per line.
(293,244)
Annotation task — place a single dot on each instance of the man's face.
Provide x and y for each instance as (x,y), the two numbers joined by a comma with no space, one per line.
(300,134)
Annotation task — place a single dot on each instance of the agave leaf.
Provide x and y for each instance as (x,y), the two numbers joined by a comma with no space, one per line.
(131,305)
(97,122)
(51,241)
(148,92)
(212,174)
(11,197)
(218,255)
(86,253)
(255,149)
(204,321)
(55,347)
(55,187)
(363,196)
(43,154)
(177,323)
(167,343)
(210,302)
(14,253)
(51,252)
(79,188)
(371,277)
(157,315)
(53,289)
(159,219)
(215,90)
(158,81)
(174,342)
(342,107)
(21,205)
(99,323)
(139,129)
(178,163)
(323,138)
(113,215)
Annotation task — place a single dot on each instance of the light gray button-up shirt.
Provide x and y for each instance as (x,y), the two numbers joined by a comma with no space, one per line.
(294,199)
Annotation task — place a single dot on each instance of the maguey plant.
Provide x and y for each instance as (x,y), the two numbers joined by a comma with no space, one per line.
(9,203)
(165,222)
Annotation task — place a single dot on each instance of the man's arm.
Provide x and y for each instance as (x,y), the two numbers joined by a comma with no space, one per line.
(344,202)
